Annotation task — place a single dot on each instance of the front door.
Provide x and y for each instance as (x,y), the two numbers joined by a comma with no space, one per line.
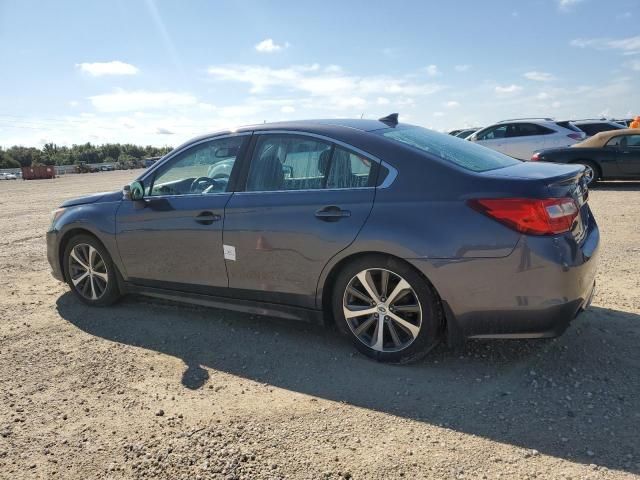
(173,237)
(629,156)
(305,200)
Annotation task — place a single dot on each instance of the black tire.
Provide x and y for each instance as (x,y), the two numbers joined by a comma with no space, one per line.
(431,323)
(105,294)
(597,174)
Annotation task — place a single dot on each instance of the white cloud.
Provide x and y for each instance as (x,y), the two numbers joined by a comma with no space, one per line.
(438,114)
(115,67)
(132,100)
(73,103)
(269,46)
(432,71)
(462,68)
(287,109)
(383,101)
(543,96)
(633,65)
(538,76)
(507,89)
(566,5)
(628,46)
(337,87)
(452,104)
(164,131)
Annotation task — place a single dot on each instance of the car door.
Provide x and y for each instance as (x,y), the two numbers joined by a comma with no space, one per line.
(305,200)
(629,156)
(173,237)
(525,138)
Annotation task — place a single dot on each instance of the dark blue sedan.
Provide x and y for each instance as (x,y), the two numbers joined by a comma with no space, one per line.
(400,235)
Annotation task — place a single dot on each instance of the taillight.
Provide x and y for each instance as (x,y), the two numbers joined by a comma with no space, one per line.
(548,216)
(535,157)
(576,136)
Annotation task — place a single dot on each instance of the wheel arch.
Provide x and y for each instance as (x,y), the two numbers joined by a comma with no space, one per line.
(335,269)
(66,238)
(592,161)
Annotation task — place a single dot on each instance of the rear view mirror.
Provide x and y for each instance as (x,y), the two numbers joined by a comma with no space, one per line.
(133,191)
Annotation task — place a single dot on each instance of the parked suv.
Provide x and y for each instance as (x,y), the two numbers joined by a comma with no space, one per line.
(400,235)
(520,138)
(591,127)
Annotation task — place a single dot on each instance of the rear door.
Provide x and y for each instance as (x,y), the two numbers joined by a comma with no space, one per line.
(305,200)
(525,138)
(629,156)
(493,138)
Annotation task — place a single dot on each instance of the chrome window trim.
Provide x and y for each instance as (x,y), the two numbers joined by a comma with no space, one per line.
(359,189)
(171,155)
(391,176)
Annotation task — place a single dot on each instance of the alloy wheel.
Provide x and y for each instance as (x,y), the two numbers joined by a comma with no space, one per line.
(382,310)
(589,174)
(88,271)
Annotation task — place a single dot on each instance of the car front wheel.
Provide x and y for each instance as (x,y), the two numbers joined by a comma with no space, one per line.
(388,310)
(90,272)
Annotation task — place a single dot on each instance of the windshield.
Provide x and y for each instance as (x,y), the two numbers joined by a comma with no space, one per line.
(455,150)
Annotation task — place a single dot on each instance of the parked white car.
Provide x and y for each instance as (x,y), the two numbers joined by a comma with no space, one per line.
(8,176)
(519,138)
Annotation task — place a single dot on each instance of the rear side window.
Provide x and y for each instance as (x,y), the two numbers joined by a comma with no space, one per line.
(454,150)
(527,130)
(592,128)
(569,126)
(349,170)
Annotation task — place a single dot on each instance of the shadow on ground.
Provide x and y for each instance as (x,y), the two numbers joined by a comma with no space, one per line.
(575,398)
(623,186)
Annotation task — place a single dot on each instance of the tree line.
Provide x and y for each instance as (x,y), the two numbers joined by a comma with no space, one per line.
(52,154)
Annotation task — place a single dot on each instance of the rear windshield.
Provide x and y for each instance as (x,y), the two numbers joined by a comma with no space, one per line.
(452,149)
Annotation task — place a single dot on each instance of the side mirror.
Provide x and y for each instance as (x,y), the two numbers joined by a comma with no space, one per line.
(133,191)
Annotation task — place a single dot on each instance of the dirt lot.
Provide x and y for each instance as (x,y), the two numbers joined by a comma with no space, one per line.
(153,390)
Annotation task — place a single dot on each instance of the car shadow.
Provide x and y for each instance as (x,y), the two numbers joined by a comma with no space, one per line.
(617,186)
(574,398)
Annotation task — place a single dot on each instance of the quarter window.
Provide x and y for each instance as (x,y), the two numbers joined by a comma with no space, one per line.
(203,169)
(349,170)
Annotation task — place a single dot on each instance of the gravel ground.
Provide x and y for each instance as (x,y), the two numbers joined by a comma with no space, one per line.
(147,389)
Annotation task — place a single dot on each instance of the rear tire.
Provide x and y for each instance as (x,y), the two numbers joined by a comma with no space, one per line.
(592,171)
(90,272)
(397,317)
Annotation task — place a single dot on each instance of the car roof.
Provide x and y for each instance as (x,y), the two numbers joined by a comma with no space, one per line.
(599,139)
(365,125)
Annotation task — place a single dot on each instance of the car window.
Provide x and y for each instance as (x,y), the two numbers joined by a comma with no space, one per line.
(592,128)
(527,130)
(288,162)
(349,170)
(204,168)
(633,141)
(494,133)
(614,142)
(451,149)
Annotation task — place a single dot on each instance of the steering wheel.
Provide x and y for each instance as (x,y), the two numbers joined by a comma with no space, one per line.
(197,184)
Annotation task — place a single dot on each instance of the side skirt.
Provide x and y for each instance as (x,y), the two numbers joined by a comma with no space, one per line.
(246,306)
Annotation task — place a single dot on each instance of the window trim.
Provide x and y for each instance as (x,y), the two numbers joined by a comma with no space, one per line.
(244,174)
(174,156)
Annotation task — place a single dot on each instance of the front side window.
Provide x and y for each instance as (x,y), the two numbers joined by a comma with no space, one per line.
(632,141)
(494,133)
(202,169)
(288,162)
(451,149)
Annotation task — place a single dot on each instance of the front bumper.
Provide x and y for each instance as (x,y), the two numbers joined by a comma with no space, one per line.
(534,292)
(53,254)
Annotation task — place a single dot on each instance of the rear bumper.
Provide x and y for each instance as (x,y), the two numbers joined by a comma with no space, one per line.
(534,292)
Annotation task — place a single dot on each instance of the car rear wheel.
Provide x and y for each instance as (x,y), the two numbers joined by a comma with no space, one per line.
(591,171)
(90,272)
(387,309)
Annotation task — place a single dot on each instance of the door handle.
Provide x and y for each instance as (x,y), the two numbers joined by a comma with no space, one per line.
(332,213)
(207,218)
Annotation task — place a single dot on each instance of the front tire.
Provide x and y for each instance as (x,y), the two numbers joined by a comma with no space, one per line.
(389,312)
(90,272)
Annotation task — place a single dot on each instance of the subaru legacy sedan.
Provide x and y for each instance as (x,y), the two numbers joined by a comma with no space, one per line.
(400,235)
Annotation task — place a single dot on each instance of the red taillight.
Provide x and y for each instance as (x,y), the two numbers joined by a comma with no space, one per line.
(576,136)
(535,157)
(548,216)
